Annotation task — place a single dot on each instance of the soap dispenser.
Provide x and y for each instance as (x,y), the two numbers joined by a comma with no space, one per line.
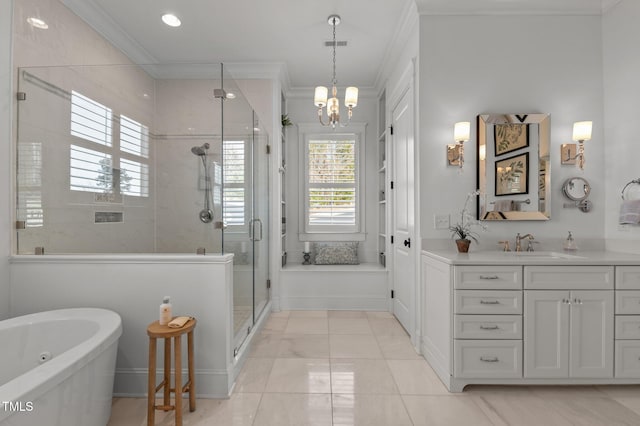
(569,243)
(165,311)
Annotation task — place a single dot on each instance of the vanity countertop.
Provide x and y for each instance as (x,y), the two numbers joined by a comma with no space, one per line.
(580,257)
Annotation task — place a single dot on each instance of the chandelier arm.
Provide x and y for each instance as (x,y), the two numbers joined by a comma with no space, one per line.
(320,118)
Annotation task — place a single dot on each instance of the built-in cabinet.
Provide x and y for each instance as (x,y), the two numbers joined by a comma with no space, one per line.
(531,324)
(383,184)
(283,182)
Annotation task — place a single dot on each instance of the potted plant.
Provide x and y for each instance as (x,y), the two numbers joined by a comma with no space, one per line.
(461,231)
(286,121)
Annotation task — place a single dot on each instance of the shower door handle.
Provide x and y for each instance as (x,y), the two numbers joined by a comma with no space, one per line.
(252,231)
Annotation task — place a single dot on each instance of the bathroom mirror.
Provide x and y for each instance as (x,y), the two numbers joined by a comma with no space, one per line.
(513,166)
(576,189)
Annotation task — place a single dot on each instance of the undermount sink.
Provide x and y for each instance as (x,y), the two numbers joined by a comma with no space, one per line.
(541,254)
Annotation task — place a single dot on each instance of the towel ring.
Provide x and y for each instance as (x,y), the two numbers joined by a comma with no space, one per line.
(635,181)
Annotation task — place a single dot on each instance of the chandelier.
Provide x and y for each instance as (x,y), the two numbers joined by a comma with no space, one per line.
(333,105)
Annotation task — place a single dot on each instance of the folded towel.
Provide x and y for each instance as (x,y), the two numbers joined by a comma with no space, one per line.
(630,212)
(179,322)
(503,206)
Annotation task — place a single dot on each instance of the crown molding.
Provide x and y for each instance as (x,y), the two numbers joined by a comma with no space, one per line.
(522,7)
(407,24)
(102,23)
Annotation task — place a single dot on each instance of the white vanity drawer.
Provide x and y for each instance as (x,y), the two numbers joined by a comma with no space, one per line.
(499,302)
(488,277)
(628,277)
(568,277)
(488,327)
(627,327)
(628,302)
(628,358)
(487,359)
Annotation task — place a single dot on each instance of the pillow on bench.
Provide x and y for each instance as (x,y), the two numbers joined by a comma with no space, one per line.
(337,253)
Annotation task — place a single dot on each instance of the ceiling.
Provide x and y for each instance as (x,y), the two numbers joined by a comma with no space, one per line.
(289,32)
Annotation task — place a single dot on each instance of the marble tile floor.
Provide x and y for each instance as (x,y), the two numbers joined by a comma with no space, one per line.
(359,368)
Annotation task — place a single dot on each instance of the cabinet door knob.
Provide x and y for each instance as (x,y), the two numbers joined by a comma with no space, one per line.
(489,359)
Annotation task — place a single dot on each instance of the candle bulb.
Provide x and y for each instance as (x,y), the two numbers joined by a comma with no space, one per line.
(307,247)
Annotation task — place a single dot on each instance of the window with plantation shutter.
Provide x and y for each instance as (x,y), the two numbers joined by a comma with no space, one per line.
(90,120)
(236,179)
(332,183)
(101,163)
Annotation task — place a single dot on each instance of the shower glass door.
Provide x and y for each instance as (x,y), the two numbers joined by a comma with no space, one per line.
(245,169)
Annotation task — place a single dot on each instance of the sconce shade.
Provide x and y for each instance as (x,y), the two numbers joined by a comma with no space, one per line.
(582,130)
(320,97)
(461,131)
(351,97)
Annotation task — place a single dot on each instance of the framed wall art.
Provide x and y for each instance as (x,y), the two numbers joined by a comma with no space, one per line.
(510,137)
(512,175)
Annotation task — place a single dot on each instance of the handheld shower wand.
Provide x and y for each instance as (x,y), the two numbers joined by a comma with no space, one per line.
(206,214)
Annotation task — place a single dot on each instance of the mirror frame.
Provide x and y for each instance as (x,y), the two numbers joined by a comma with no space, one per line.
(539,165)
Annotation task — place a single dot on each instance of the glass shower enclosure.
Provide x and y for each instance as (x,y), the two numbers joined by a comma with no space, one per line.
(144,159)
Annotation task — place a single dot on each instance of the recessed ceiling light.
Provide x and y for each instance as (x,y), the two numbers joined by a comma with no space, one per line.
(231,95)
(171,20)
(37,23)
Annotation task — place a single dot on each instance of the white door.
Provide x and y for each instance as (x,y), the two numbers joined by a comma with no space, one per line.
(403,229)
(591,334)
(546,334)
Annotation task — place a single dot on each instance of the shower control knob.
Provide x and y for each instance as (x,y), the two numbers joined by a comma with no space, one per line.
(206,216)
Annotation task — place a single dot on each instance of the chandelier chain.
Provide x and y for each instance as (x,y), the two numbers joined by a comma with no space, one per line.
(335,82)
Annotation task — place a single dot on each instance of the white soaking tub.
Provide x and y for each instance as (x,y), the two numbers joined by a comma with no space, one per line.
(57,367)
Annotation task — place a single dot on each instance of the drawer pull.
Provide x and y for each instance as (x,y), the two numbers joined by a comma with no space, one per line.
(489,277)
(490,302)
(489,327)
(489,359)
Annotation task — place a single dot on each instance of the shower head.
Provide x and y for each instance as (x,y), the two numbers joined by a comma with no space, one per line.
(200,150)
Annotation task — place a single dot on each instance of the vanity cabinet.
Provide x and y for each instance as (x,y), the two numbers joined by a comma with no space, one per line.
(530,322)
(568,321)
(488,321)
(568,333)
(627,317)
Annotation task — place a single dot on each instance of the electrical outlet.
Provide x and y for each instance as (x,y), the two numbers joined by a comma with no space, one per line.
(441,221)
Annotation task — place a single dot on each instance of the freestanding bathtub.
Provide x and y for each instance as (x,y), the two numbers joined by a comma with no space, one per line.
(57,367)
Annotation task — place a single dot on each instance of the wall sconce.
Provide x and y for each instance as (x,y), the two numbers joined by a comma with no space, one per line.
(569,153)
(455,153)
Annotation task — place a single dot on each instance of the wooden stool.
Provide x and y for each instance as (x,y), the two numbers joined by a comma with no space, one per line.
(157,331)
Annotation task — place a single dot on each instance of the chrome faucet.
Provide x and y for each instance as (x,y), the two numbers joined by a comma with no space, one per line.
(519,242)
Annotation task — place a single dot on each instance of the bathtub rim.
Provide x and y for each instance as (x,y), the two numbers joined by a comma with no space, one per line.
(52,373)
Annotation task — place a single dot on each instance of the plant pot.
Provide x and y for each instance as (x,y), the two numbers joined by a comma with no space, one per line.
(463,245)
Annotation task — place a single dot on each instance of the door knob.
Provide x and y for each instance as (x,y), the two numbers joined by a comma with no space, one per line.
(407,242)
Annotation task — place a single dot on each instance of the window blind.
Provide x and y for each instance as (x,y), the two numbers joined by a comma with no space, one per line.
(134,137)
(235,181)
(90,120)
(331,182)
(90,170)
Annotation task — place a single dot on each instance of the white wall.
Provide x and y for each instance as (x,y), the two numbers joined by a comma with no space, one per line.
(5,153)
(302,110)
(490,64)
(621,87)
